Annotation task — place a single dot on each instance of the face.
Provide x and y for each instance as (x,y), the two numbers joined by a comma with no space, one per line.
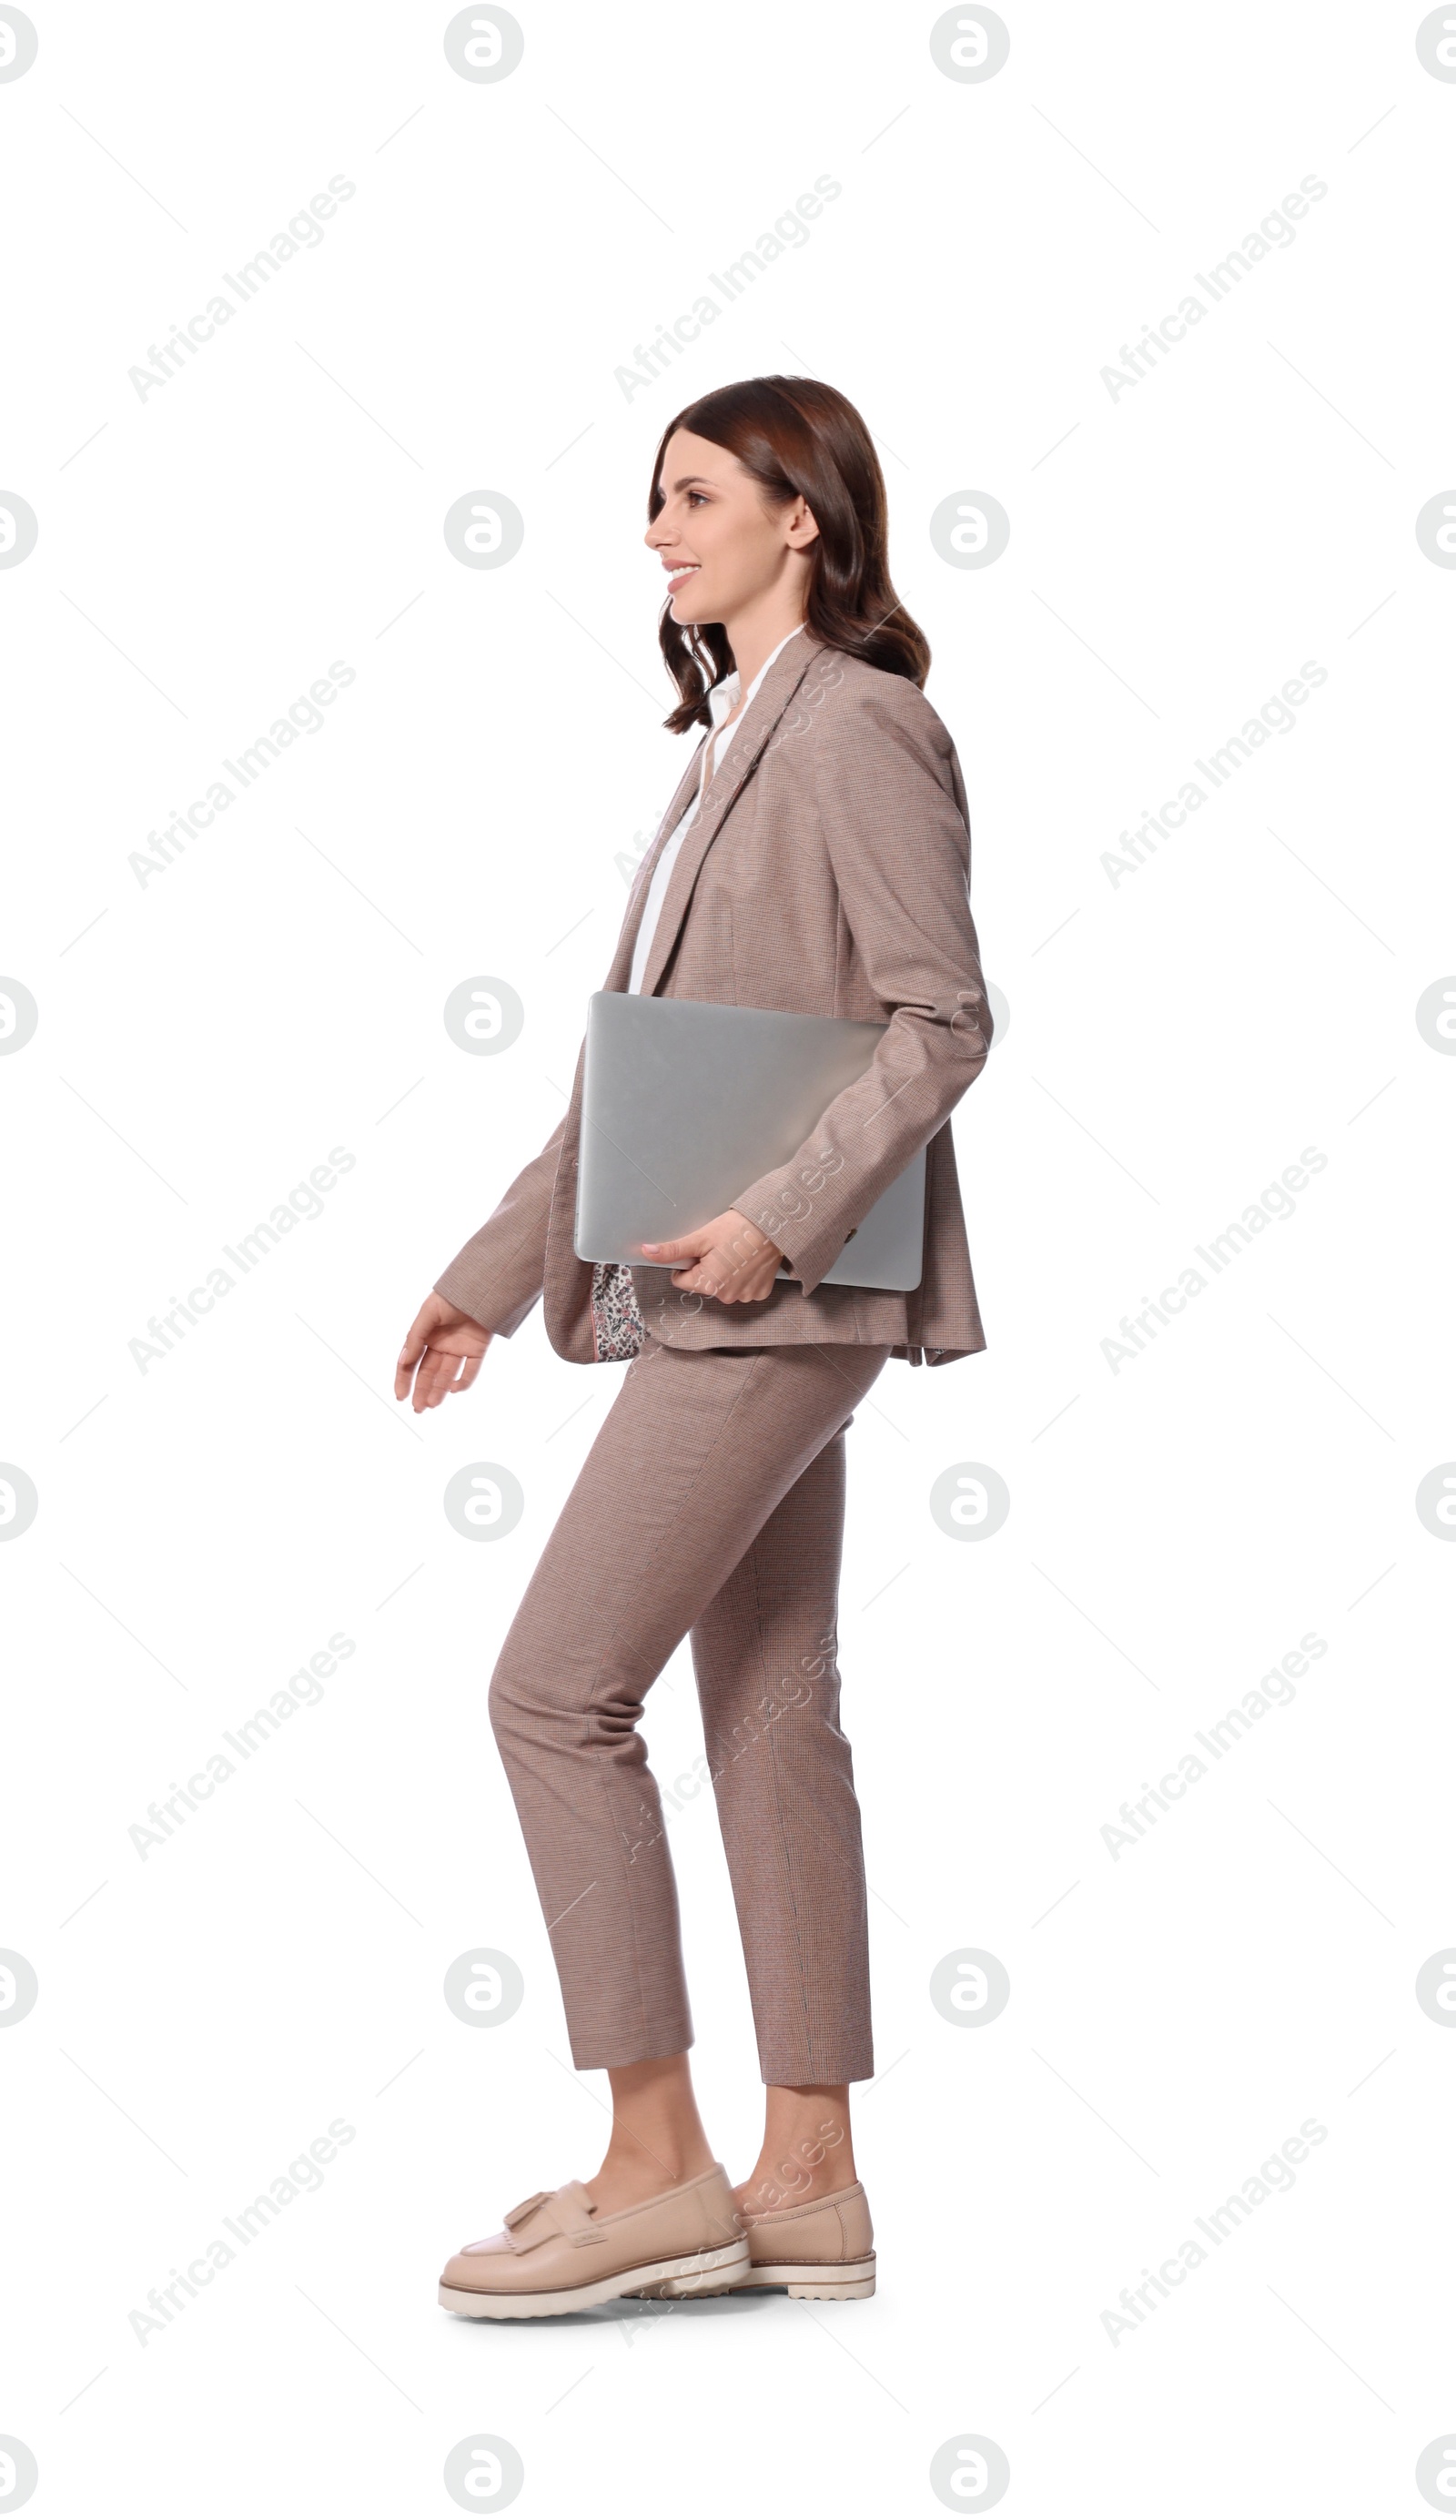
(722,548)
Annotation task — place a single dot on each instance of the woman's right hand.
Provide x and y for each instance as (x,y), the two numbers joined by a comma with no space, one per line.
(447,1347)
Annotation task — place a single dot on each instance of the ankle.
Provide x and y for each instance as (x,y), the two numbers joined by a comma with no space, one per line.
(629,2176)
(778,2180)
(807,2150)
(656,2136)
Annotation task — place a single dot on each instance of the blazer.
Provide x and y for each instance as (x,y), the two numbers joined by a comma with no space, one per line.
(827,873)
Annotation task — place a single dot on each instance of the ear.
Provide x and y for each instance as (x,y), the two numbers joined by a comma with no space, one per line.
(801,530)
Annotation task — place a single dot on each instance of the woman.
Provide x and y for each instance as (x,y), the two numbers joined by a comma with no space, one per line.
(815,860)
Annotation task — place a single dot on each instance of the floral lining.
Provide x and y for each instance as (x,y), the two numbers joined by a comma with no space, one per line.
(617,1321)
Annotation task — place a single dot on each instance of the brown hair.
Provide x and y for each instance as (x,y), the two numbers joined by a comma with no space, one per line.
(799,439)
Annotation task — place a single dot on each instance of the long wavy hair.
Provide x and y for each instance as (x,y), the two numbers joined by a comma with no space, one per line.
(800,439)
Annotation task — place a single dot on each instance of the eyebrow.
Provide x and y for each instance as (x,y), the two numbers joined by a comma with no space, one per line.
(689,478)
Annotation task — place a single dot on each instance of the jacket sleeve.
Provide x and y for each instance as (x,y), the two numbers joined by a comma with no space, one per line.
(890,805)
(499,1274)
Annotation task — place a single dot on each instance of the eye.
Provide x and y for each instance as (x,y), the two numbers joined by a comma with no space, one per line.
(696,498)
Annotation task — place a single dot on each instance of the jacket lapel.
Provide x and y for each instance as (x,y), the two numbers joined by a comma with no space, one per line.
(749,739)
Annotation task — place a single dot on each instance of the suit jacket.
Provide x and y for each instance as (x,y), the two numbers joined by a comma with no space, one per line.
(827,873)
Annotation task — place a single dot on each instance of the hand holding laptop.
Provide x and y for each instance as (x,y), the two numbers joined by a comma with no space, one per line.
(727,1258)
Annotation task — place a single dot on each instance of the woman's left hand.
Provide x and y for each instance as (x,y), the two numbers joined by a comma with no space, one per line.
(728,1258)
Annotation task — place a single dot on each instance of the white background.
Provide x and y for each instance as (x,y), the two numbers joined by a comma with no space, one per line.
(1177,1038)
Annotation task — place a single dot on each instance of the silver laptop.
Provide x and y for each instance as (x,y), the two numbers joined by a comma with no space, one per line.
(684,1104)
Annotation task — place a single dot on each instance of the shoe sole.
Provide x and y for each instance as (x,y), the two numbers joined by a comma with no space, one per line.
(852,2282)
(704,2270)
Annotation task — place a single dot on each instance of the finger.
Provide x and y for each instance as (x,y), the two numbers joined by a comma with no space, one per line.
(404,1370)
(415,1338)
(404,1375)
(431,1379)
(416,1346)
(698,1280)
(473,1364)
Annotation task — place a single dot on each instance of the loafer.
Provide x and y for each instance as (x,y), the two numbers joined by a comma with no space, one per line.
(557,2253)
(820,2251)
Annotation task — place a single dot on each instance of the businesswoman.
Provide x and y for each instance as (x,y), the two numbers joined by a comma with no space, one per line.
(814,860)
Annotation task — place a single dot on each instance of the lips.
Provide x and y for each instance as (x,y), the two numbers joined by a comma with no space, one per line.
(680,577)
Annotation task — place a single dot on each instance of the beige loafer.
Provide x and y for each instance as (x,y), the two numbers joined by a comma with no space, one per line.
(557,2253)
(820,2251)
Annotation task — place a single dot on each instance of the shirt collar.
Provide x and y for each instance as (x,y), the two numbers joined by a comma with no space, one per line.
(723,698)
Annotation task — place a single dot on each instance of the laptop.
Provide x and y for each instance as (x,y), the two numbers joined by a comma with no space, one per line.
(684,1104)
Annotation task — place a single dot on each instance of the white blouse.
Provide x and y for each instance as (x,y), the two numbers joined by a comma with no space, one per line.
(722,699)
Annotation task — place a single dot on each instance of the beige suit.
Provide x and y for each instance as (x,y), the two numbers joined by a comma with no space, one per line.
(827,873)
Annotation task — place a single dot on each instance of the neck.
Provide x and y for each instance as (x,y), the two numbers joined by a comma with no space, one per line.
(756,632)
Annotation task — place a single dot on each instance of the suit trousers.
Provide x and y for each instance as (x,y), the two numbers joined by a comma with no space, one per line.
(712,1504)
